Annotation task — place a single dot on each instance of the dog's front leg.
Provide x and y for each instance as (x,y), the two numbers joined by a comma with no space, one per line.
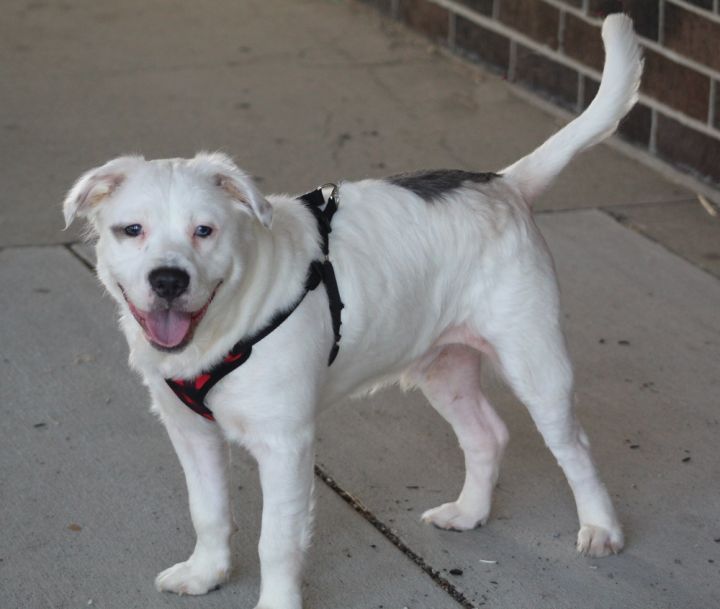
(203,455)
(285,461)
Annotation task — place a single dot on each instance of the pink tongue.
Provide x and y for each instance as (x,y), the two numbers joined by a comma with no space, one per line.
(168,328)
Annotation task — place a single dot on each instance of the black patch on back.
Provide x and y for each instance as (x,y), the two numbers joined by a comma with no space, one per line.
(433,184)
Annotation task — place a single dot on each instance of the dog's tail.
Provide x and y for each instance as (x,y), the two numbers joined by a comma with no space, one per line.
(617,94)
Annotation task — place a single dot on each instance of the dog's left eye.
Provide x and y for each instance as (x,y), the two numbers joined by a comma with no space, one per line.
(203,231)
(133,230)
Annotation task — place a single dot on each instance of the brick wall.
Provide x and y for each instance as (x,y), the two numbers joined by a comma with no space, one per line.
(554,47)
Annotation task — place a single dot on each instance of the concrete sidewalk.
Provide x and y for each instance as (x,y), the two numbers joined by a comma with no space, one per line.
(303,92)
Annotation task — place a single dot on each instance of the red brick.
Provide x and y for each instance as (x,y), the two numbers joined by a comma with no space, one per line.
(482,44)
(556,81)
(426,17)
(590,89)
(706,4)
(635,127)
(602,8)
(582,41)
(645,13)
(688,148)
(484,7)
(384,6)
(692,35)
(533,18)
(678,86)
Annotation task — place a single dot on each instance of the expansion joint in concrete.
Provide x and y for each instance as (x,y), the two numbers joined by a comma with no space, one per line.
(394,539)
(627,223)
(74,254)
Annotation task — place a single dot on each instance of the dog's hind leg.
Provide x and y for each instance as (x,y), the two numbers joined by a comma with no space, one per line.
(452,385)
(534,361)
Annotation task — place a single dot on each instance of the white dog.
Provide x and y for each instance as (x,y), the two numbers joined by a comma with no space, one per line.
(435,270)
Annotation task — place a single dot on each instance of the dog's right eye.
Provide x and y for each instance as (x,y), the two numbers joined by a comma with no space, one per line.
(133,230)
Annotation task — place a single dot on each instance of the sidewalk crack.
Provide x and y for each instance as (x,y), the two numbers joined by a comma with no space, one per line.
(394,539)
(74,254)
(629,224)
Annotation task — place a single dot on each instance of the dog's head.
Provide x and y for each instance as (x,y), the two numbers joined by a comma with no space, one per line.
(168,236)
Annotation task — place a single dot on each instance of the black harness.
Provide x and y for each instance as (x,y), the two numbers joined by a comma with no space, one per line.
(192,392)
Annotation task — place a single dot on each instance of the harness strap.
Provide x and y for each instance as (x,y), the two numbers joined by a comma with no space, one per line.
(192,392)
(322,270)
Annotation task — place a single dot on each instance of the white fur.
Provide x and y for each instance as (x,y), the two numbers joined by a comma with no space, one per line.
(430,289)
(618,93)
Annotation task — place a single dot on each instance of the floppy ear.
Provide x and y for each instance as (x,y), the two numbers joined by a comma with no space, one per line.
(96,185)
(237,184)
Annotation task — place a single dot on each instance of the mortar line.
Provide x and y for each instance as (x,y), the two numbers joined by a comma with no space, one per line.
(652,143)
(705,13)
(579,102)
(712,102)
(394,539)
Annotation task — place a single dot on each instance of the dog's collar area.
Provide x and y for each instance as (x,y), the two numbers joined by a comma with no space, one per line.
(322,203)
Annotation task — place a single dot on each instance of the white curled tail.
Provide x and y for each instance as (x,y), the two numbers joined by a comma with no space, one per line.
(617,94)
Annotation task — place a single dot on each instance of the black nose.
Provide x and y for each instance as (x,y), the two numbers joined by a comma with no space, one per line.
(168,282)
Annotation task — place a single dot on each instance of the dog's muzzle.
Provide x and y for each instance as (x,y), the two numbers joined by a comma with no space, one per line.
(168,328)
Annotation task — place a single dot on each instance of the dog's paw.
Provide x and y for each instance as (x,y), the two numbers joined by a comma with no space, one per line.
(453,517)
(280,601)
(191,577)
(597,541)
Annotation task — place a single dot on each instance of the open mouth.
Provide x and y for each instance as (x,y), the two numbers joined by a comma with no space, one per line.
(169,329)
